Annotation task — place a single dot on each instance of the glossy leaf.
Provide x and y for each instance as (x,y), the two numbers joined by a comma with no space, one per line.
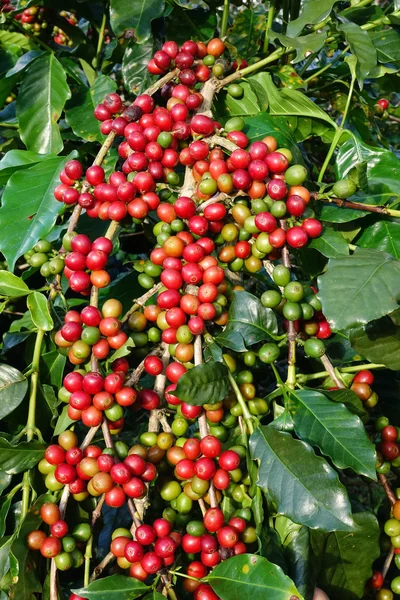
(52,367)
(313,12)
(20,457)
(13,38)
(251,577)
(246,31)
(154,596)
(347,558)
(334,430)
(39,309)
(194,24)
(383,235)
(378,342)
(359,288)
(63,421)
(362,48)
(296,547)
(205,384)
(13,387)
(14,160)
(27,583)
(250,319)
(263,124)
(40,102)
(301,485)
(351,401)
(387,44)
(246,105)
(29,209)
(23,62)
(313,42)
(125,287)
(383,168)
(79,114)
(258,83)
(292,102)
(331,243)
(115,587)
(134,67)
(12,286)
(135,16)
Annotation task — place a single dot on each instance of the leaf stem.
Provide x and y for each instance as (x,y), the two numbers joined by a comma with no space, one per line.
(383,210)
(100,41)
(270,20)
(224,20)
(246,413)
(30,428)
(250,69)
(88,556)
(301,378)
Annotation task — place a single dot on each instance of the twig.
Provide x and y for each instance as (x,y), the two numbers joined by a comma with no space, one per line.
(161,82)
(291,378)
(217,140)
(139,302)
(97,571)
(137,373)
(159,387)
(382,210)
(331,371)
(388,561)
(388,490)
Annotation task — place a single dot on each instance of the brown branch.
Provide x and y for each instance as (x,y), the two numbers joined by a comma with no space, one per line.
(159,387)
(353,205)
(332,372)
(137,373)
(140,302)
(388,490)
(218,140)
(388,561)
(161,82)
(97,571)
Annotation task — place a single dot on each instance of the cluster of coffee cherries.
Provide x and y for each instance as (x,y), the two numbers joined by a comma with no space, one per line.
(91,331)
(33,18)
(95,471)
(59,35)
(388,448)
(43,256)
(392,530)
(381,107)
(86,256)
(64,546)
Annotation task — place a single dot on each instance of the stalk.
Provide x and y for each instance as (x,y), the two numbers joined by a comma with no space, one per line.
(270,20)
(100,41)
(224,20)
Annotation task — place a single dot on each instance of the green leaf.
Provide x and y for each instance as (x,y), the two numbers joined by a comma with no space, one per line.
(331,243)
(14,160)
(13,387)
(347,558)
(12,38)
(359,288)
(313,42)
(292,102)
(196,24)
(338,214)
(382,172)
(20,457)
(246,31)
(79,112)
(12,286)
(27,582)
(63,421)
(124,350)
(29,209)
(348,398)
(334,430)
(296,543)
(5,480)
(383,235)
(154,596)
(24,61)
(205,384)
(263,124)
(124,287)
(314,11)
(387,44)
(115,587)
(362,47)
(136,16)
(258,84)
(39,309)
(378,342)
(134,67)
(40,102)
(247,105)
(52,367)
(251,577)
(301,485)
(249,318)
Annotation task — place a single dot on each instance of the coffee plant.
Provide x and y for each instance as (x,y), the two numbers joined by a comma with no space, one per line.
(199,297)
